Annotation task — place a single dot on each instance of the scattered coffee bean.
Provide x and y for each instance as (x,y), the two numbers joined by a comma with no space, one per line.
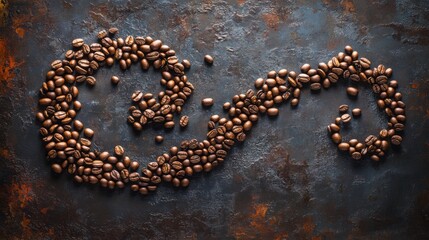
(184,120)
(356,112)
(343,108)
(159,139)
(352,91)
(207,102)
(208,59)
(346,118)
(115,80)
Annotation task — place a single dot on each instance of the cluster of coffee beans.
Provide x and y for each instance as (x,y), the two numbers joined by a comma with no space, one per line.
(67,149)
(68,142)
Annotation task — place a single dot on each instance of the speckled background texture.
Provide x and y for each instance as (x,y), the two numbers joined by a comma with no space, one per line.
(287,181)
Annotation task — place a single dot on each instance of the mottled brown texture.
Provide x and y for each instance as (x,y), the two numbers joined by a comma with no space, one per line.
(287,181)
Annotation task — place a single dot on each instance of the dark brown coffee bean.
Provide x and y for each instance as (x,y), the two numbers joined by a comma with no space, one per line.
(343,146)
(352,91)
(207,102)
(336,138)
(56,168)
(119,150)
(184,120)
(343,108)
(272,112)
(370,140)
(208,59)
(78,42)
(88,132)
(346,118)
(396,140)
(356,112)
(315,86)
(356,155)
(159,139)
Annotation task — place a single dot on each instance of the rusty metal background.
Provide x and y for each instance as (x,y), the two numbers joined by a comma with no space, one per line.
(287,181)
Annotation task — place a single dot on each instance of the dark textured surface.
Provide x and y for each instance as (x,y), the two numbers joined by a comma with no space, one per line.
(287,181)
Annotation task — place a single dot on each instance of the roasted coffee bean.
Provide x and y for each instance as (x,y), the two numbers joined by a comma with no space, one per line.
(352,91)
(78,42)
(336,138)
(343,146)
(346,118)
(272,112)
(343,108)
(159,139)
(356,112)
(370,140)
(184,121)
(208,59)
(119,150)
(396,140)
(207,102)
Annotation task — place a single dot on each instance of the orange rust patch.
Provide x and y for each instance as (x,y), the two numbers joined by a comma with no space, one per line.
(5,153)
(308,225)
(20,31)
(7,67)
(348,6)
(281,236)
(44,210)
(414,85)
(19,197)
(4,13)
(25,224)
(272,20)
(241,2)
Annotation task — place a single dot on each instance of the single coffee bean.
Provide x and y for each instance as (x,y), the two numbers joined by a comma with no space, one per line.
(346,118)
(396,140)
(272,112)
(208,59)
(356,112)
(370,140)
(336,138)
(184,120)
(207,102)
(78,42)
(343,146)
(356,155)
(159,139)
(352,91)
(119,150)
(88,132)
(115,80)
(56,168)
(343,108)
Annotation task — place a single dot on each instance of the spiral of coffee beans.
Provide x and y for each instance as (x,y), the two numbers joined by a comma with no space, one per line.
(68,142)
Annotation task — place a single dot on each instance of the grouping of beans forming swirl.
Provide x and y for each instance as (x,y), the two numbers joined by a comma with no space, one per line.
(68,143)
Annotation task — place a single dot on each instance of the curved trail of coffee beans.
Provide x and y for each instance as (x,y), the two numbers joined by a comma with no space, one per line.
(68,142)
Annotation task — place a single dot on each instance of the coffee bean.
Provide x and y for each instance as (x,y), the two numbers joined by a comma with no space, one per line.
(208,59)
(336,138)
(346,118)
(356,155)
(396,140)
(56,168)
(78,42)
(343,146)
(88,132)
(343,108)
(159,139)
(184,120)
(119,150)
(207,102)
(356,112)
(115,80)
(352,91)
(272,112)
(370,140)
